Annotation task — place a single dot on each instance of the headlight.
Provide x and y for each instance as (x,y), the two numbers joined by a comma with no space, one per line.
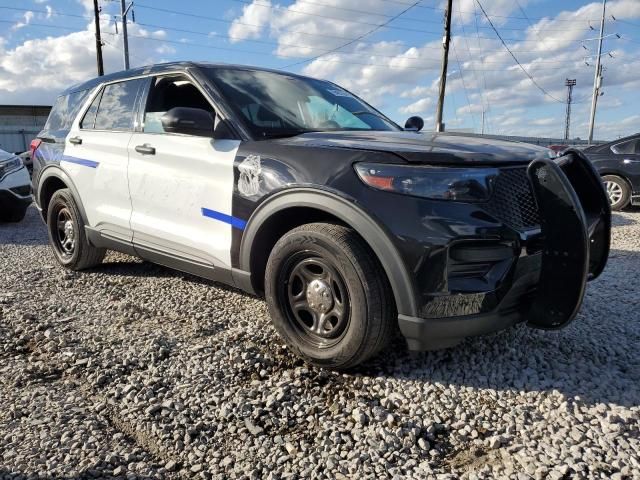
(440,183)
(9,165)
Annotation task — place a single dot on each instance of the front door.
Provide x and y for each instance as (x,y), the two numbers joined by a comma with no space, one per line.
(181,185)
(96,157)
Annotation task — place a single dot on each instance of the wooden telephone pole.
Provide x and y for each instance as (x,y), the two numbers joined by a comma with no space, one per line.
(445,63)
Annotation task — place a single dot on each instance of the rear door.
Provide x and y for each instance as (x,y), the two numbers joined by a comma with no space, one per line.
(628,155)
(96,156)
(181,185)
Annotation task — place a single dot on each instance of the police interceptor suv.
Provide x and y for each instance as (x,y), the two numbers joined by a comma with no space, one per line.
(294,188)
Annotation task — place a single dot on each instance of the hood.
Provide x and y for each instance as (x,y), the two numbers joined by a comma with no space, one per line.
(437,148)
(5,155)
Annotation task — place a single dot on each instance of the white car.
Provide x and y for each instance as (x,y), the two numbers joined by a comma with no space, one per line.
(15,188)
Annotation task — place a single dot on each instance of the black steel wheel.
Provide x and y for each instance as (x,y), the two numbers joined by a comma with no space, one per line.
(317,300)
(67,236)
(65,231)
(328,296)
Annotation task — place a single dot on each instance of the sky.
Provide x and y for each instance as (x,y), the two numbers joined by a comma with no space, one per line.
(386,51)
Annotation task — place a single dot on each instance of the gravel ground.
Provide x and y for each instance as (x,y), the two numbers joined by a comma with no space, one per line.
(131,370)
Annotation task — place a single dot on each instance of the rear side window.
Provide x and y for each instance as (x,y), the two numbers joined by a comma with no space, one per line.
(115,107)
(65,110)
(630,147)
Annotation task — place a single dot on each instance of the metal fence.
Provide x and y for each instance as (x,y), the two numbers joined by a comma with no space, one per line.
(17,140)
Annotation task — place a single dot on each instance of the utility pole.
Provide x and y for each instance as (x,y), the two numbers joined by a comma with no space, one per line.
(445,62)
(96,14)
(597,81)
(125,38)
(570,84)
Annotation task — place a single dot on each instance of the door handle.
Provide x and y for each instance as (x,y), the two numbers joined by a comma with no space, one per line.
(75,140)
(628,161)
(146,149)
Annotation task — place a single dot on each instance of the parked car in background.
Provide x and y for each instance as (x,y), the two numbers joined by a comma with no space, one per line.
(15,188)
(294,188)
(618,163)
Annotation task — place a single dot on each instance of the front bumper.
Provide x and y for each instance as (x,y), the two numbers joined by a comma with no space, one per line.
(15,191)
(544,288)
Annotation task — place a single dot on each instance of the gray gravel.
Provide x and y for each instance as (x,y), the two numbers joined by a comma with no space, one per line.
(131,370)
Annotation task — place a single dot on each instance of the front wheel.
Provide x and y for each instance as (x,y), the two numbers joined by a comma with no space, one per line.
(328,296)
(618,191)
(67,236)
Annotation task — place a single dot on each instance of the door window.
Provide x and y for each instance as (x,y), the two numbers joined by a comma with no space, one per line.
(116,107)
(167,93)
(630,147)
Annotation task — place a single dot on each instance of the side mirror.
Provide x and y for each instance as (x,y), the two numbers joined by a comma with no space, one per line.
(414,124)
(189,121)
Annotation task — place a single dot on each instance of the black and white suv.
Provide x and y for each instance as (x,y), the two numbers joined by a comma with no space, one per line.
(295,188)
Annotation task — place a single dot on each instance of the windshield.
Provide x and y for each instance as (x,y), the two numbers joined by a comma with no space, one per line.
(276,104)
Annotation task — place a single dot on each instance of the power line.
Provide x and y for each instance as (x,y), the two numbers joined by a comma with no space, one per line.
(324,51)
(413,30)
(399,56)
(514,57)
(254,52)
(221,20)
(336,7)
(355,39)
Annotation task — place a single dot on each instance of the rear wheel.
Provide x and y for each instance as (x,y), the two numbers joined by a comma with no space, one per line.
(618,191)
(328,296)
(67,237)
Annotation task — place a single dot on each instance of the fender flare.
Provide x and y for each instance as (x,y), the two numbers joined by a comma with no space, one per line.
(55,171)
(375,235)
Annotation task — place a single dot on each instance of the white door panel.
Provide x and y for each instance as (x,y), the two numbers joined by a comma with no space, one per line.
(174,191)
(98,168)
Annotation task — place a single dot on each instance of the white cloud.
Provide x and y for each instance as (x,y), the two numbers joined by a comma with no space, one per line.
(252,22)
(69,59)
(420,106)
(26,20)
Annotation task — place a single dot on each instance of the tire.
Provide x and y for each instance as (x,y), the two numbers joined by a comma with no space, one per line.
(618,191)
(354,311)
(14,216)
(67,236)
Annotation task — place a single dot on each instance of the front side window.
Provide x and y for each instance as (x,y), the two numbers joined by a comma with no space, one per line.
(117,106)
(167,93)
(276,104)
(627,148)
(65,110)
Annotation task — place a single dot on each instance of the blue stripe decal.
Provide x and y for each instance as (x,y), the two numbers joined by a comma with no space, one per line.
(223,217)
(81,161)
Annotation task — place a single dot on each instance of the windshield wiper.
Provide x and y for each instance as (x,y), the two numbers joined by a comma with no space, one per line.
(362,112)
(286,133)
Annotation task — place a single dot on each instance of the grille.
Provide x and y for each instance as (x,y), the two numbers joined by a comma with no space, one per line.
(512,200)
